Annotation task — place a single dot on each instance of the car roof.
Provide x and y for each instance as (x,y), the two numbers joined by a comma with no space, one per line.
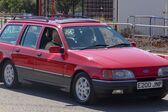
(55,21)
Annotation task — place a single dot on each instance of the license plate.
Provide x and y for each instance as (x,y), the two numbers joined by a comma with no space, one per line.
(149,85)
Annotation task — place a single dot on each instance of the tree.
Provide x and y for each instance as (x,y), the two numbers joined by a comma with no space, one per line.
(30,6)
(67,5)
(18,6)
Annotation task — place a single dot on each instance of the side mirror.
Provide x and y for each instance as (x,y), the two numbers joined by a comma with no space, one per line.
(55,49)
(133,44)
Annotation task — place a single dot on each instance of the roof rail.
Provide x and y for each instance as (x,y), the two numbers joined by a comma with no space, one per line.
(59,18)
(31,18)
(76,20)
(63,16)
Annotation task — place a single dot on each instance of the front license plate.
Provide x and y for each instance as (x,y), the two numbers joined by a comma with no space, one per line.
(149,85)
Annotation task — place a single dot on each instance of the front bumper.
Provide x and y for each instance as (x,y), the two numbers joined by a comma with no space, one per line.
(105,88)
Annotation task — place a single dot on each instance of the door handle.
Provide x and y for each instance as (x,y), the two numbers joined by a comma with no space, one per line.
(39,54)
(17,50)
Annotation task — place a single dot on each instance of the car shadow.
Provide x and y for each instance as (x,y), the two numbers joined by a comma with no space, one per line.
(119,104)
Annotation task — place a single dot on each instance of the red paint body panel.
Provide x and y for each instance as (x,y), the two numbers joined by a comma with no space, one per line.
(121,58)
(49,62)
(25,56)
(4,52)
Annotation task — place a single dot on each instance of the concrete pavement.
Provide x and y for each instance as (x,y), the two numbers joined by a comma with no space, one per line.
(40,98)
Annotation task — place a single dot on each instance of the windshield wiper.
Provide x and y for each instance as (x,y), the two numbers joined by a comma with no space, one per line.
(119,45)
(95,46)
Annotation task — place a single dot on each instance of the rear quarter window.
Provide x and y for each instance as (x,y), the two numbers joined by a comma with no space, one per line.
(10,34)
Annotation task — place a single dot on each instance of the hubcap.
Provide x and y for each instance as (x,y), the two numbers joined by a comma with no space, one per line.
(82,89)
(9,74)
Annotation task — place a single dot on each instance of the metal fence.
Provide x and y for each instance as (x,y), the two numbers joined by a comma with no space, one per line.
(4,19)
(140,29)
(149,25)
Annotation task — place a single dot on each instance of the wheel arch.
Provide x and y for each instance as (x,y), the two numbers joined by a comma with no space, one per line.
(73,77)
(1,66)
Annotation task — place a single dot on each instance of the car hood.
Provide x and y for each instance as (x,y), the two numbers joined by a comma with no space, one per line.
(129,57)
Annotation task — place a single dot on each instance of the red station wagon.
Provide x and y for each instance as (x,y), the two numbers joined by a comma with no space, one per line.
(83,56)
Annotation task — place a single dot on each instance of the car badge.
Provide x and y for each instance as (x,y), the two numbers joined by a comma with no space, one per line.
(146,71)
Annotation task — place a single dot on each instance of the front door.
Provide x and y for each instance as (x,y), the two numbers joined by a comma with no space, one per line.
(49,67)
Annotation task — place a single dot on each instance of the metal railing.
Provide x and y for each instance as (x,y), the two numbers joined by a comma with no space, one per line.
(4,19)
(131,29)
(155,43)
(140,29)
(150,25)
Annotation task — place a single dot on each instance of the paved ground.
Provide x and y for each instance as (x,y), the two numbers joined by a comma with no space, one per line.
(35,98)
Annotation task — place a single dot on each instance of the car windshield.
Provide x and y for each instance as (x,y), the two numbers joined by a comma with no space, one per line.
(93,37)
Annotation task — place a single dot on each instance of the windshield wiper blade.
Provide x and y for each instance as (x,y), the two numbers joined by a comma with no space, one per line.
(119,45)
(93,46)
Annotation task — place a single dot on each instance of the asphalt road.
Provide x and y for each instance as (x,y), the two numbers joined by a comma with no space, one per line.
(40,98)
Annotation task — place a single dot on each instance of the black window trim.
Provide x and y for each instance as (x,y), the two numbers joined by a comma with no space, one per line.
(22,39)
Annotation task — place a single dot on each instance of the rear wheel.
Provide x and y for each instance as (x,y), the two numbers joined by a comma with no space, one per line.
(9,75)
(83,91)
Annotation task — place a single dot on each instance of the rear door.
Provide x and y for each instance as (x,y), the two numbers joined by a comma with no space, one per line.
(25,52)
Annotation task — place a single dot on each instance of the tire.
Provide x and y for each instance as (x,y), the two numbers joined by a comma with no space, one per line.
(9,75)
(83,90)
(157,97)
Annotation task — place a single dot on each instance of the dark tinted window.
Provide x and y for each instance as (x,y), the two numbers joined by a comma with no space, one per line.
(10,34)
(30,36)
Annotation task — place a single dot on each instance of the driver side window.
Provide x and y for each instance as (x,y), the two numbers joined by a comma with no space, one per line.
(50,38)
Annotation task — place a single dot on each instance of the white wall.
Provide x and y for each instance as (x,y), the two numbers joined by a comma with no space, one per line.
(140,7)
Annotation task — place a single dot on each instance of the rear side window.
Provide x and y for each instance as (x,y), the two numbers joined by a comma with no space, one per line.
(30,36)
(10,34)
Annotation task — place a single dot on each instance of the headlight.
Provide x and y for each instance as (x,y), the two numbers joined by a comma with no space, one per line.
(122,74)
(163,71)
(118,74)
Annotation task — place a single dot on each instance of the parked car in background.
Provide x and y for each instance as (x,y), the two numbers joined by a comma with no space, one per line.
(87,58)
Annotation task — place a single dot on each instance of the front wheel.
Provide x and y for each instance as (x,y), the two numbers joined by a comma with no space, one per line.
(83,90)
(9,74)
